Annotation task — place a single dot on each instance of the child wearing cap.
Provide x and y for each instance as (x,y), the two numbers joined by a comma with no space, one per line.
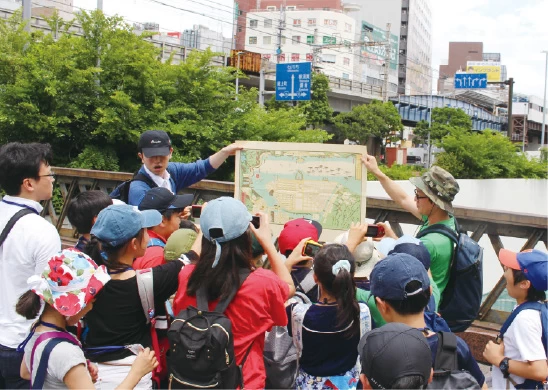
(68,285)
(331,328)
(117,325)
(395,356)
(521,356)
(155,151)
(401,288)
(259,302)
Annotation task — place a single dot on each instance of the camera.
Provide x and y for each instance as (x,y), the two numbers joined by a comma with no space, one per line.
(374,231)
(311,248)
(196,211)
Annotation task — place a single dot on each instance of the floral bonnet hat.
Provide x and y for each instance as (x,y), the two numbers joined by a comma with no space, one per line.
(69,282)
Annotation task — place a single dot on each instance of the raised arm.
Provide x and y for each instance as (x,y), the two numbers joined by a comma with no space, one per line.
(218,158)
(393,189)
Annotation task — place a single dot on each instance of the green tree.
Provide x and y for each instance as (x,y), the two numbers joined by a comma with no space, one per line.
(445,121)
(369,120)
(486,155)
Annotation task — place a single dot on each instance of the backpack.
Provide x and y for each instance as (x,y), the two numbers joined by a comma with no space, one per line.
(11,223)
(280,354)
(461,299)
(542,308)
(121,192)
(201,353)
(447,374)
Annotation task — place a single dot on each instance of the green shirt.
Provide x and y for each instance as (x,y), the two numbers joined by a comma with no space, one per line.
(367,298)
(441,252)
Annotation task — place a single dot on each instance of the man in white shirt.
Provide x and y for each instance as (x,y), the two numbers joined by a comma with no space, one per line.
(26,177)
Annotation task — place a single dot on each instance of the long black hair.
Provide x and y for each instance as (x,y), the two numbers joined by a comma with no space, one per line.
(219,281)
(107,255)
(341,286)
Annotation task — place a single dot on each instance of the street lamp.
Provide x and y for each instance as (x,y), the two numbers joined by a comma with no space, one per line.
(544,104)
(238,73)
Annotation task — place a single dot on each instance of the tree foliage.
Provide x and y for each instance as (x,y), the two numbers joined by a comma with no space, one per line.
(486,155)
(376,119)
(445,121)
(95,94)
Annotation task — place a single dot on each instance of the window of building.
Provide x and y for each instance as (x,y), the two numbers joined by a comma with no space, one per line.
(271,8)
(312,21)
(309,57)
(281,58)
(347,27)
(268,23)
(296,22)
(283,40)
(295,57)
(329,58)
(332,23)
(252,40)
(253,23)
(346,76)
(267,39)
(291,8)
(240,29)
(346,61)
(310,39)
(296,39)
(327,9)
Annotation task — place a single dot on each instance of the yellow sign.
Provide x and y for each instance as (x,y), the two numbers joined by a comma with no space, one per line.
(493,72)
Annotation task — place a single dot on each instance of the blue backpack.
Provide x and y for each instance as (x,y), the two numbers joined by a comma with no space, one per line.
(542,308)
(121,192)
(461,299)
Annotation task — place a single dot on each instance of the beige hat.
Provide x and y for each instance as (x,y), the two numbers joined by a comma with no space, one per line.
(365,254)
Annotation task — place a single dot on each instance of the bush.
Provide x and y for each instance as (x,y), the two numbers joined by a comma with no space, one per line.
(399,172)
(94,158)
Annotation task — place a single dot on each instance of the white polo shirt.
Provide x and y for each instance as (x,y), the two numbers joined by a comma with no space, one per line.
(26,251)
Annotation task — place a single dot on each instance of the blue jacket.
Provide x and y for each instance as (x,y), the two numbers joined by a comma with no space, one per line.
(182,176)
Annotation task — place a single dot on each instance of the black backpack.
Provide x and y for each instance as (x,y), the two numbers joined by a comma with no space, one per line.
(201,353)
(461,299)
(121,192)
(446,371)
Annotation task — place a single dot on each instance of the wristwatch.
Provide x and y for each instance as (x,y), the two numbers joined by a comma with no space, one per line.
(504,366)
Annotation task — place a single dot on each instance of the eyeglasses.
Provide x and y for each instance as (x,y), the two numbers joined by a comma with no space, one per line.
(419,197)
(52,175)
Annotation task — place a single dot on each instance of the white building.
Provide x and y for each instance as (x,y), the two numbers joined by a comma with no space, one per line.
(302,31)
(527,112)
(201,37)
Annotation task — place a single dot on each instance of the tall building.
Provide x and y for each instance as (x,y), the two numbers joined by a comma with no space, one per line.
(202,37)
(411,22)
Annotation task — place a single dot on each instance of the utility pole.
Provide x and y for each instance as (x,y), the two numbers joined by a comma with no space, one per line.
(386,64)
(27,14)
(544,108)
(100,5)
(281,27)
(238,54)
(510,83)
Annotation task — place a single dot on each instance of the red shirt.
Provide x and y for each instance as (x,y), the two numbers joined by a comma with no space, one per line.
(258,306)
(154,255)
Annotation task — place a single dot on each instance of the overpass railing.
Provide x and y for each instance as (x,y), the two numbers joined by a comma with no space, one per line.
(480,222)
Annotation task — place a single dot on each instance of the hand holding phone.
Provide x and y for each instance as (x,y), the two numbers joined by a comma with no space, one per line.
(311,248)
(196,210)
(256,221)
(374,231)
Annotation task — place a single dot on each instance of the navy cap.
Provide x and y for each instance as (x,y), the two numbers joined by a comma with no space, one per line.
(162,199)
(418,251)
(117,224)
(394,351)
(391,275)
(155,143)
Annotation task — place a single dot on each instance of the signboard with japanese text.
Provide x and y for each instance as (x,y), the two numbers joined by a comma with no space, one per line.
(293,81)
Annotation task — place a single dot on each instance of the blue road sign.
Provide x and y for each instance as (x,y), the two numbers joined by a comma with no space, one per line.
(293,81)
(470,80)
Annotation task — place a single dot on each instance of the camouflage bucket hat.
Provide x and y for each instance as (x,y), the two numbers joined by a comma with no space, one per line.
(439,186)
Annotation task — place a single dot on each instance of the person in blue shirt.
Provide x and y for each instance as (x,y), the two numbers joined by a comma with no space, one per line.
(401,288)
(155,151)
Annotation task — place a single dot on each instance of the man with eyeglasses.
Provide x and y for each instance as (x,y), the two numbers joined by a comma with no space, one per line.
(431,203)
(27,179)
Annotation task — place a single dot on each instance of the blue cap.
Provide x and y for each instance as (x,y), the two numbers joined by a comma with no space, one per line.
(224,219)
(533,264)
(117,224)
(391,275)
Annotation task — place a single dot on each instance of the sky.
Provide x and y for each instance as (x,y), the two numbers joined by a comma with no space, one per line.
(517,29)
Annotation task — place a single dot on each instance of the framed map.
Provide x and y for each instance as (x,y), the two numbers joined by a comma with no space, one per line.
(323,182)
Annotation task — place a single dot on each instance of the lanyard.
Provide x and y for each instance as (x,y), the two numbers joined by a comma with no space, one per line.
(21,205)
(119,271)
(21,346)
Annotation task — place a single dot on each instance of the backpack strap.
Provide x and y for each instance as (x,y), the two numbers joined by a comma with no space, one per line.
(54,339)
(441,229)
(145,285)
(542,308)
(155,242)
(446,354)
(365,319)
(298,311)
(308,282)
(16,217)
(144,178)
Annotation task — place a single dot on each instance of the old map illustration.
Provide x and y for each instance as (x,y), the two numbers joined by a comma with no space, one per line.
(288,180)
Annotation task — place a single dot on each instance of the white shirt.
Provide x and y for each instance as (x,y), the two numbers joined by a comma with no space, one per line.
(26,251)
(161,181)
(522,342)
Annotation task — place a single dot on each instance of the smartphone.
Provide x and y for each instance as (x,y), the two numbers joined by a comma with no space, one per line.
(374,231)
(311,248)
(196,210)
(256,221)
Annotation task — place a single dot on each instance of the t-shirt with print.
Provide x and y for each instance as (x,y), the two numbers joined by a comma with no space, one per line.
(440,248)
(63,357)
(522,342)
(325,351)
(256,308)
(465,360)
(117,318)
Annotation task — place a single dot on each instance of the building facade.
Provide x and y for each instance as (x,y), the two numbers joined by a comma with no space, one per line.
(292,35)
(202,37)
(527,115)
